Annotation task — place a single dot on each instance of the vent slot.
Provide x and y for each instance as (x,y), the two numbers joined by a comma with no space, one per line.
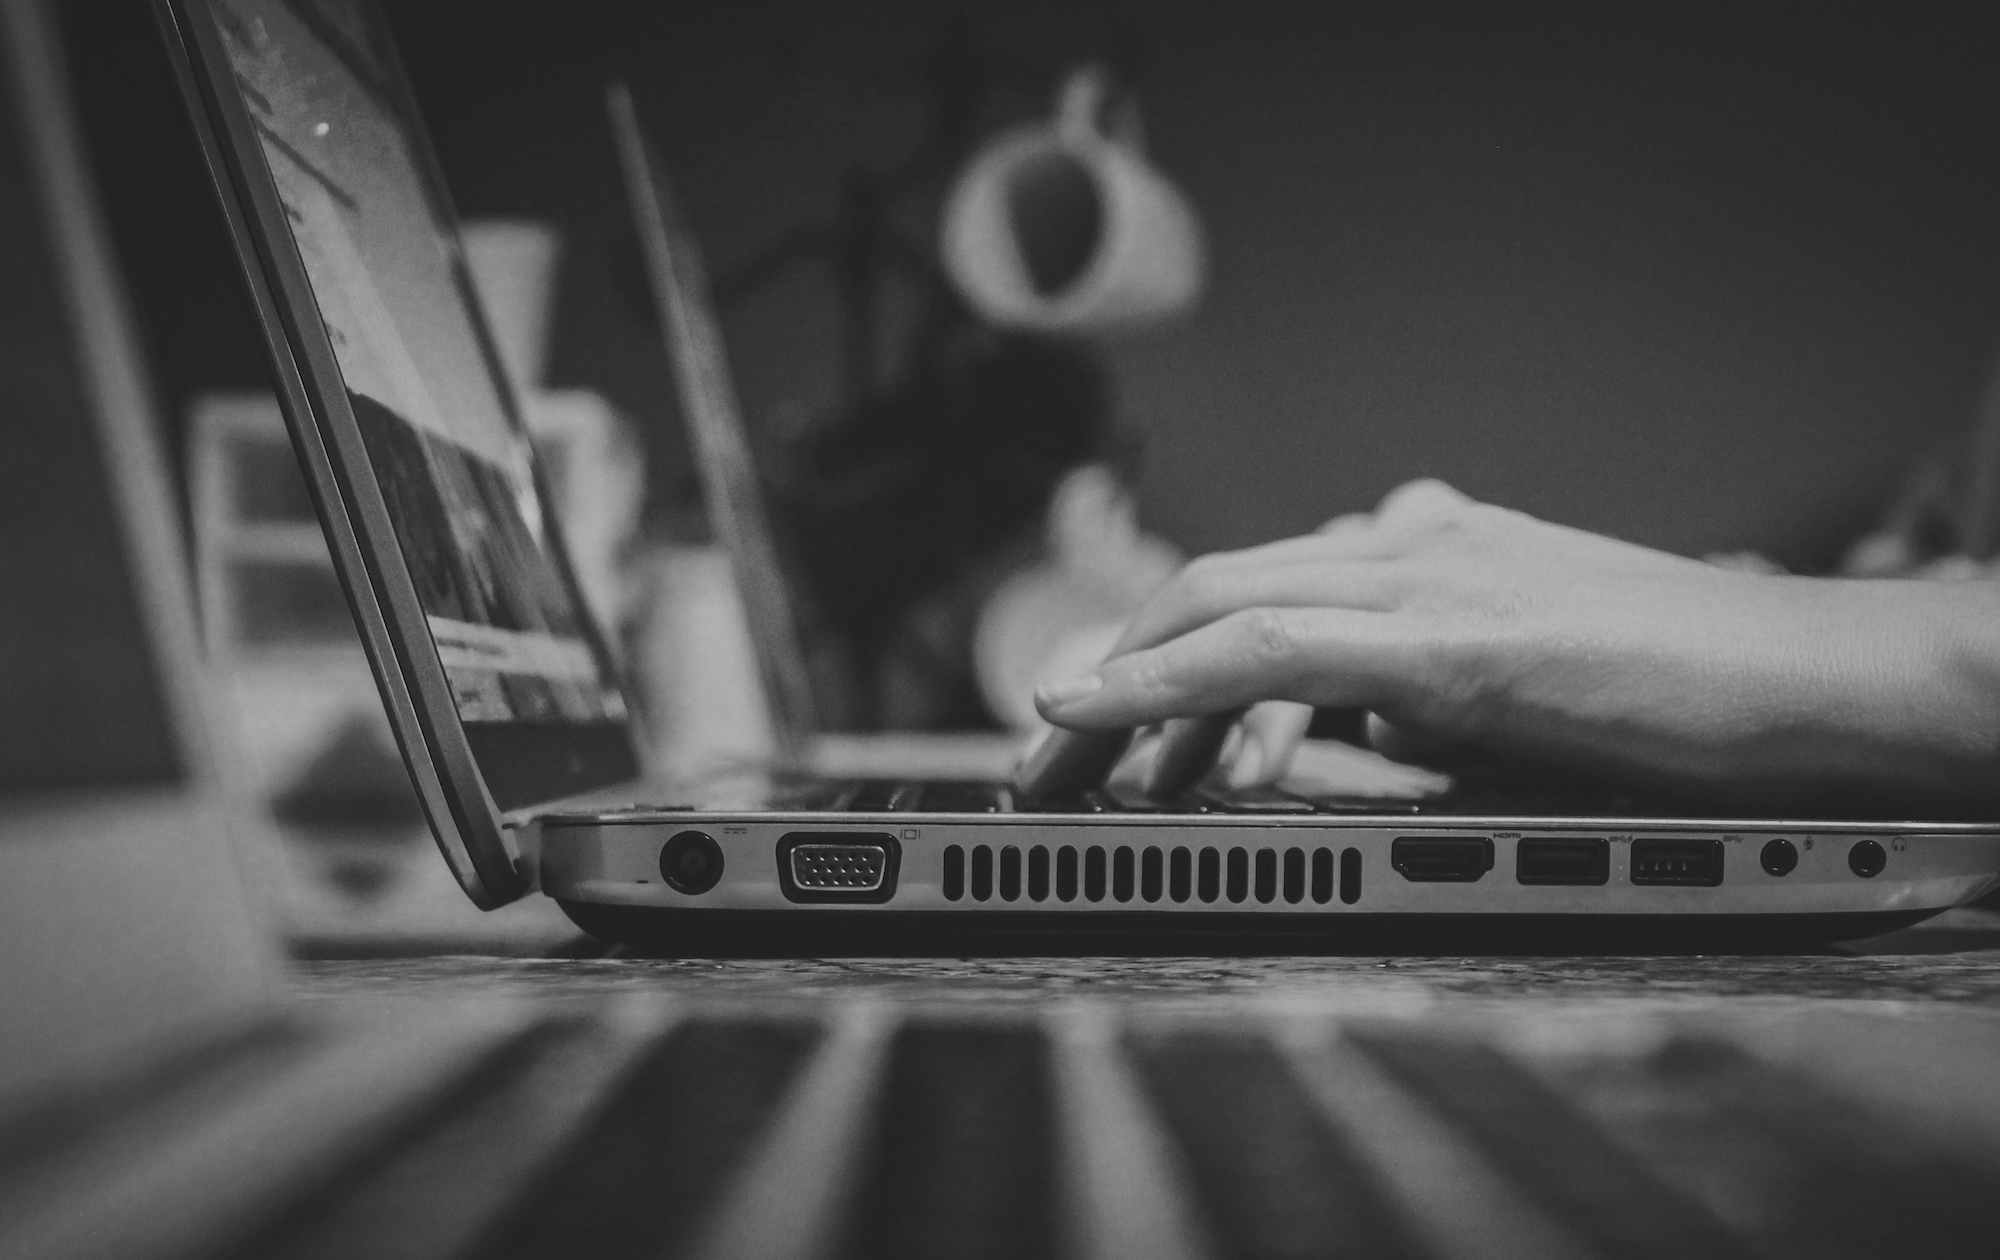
(1295,875)
(1267,875)
(1322,875)
(1093,874)
(1179,874)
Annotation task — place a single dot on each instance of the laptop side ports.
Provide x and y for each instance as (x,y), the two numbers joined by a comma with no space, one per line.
(832,867)
(1567,860)
(1441,859)
(1685,863)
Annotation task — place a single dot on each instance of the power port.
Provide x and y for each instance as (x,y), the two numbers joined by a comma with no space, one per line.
(1441,859)
(1867,858)
(1683,863)
(691,863)
(1570,860)
(1779,857)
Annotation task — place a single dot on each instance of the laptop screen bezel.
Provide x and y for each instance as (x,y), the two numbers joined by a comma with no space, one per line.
(539,762)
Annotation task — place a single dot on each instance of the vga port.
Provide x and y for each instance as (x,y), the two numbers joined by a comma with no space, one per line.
(821,866)
(838,866)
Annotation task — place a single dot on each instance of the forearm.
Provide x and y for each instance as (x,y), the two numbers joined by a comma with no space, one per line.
(1934,720)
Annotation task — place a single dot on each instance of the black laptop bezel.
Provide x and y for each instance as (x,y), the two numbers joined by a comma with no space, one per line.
(538,762)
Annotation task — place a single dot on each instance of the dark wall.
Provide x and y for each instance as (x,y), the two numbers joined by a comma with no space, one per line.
(1701,279)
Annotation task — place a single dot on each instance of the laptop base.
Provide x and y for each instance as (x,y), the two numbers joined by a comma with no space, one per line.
(804,933)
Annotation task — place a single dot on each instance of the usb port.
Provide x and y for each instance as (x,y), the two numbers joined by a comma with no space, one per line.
(835,866)
(1571,860)
(1441,859)
(1688,863)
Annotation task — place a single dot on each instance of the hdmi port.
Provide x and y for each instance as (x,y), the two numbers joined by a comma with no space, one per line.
(837,866)
(1441,859)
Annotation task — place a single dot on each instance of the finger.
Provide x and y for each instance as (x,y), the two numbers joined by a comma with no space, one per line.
(1423,500)
(1212,589)
(1188,751)
(1069,762)
(1400,743)
(1359,538)
(1272,732)
(1331,656)
(1347,523)
(1136,767)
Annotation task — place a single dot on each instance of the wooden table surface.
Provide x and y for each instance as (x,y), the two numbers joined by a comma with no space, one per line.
(1841,1103)
(1954,958)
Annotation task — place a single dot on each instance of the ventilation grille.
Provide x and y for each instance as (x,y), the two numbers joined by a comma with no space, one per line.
(1150,874)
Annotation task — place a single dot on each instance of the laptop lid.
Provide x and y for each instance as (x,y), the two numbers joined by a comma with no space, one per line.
(123,917)
(496,680)
(733,496)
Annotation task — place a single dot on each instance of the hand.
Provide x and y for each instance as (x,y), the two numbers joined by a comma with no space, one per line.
(1460,625)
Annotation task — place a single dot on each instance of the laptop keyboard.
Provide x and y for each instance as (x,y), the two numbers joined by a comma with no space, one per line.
(1479,794)
(1498,792)
(872,796)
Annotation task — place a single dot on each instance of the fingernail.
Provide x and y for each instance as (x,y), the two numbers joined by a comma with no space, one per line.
(1059,692)
(1249,764)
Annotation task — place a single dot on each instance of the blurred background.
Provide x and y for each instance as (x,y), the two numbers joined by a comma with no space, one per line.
(1709,279)
(1702,277)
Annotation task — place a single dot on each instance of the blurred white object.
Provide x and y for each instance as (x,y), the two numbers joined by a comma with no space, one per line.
(1064,226)
(704,696)
(514,266)
(596,467)
(1064,615)
(596,471)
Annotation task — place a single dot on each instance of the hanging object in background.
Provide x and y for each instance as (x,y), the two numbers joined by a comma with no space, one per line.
(1063,226)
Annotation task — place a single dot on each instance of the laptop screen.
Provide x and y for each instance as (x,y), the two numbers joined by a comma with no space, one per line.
(392,288)
(79,679)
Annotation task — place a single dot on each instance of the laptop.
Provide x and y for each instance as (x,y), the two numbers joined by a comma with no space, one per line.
(526,757)
(166,1092)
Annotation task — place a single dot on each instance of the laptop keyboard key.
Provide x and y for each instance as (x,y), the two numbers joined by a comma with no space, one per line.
(1342,804)
(1257,800)
(1086,804)
(812,796)
(879,796)
(952,797)
(1119,799)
